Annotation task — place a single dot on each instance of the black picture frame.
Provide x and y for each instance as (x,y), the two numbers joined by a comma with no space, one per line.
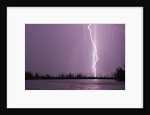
(94,3)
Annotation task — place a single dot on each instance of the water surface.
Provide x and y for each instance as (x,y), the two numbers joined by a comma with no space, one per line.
(74,84)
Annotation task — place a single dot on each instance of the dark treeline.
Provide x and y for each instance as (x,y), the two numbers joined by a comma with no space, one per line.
(119,75)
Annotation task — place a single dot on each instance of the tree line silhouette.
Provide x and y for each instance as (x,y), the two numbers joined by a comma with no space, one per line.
(119,75)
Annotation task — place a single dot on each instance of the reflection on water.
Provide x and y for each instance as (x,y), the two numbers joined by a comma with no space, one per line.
(74,84)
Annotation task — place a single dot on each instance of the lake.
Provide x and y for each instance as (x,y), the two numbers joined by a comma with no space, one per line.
(74,84)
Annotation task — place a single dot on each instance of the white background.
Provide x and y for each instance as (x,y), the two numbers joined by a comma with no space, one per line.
(18,97)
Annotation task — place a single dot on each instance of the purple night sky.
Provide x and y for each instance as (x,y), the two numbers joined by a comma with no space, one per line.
(66,48)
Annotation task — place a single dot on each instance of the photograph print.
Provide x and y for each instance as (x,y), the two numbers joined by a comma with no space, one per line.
(75,56)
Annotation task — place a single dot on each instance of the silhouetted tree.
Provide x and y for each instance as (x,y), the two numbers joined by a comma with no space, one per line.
(28,75)
(120,74)
(36,76)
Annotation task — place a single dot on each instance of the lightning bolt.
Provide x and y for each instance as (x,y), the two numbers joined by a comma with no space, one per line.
(95,55)
(75,52)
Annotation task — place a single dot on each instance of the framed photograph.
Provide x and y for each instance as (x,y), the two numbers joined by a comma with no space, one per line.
(73,55)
